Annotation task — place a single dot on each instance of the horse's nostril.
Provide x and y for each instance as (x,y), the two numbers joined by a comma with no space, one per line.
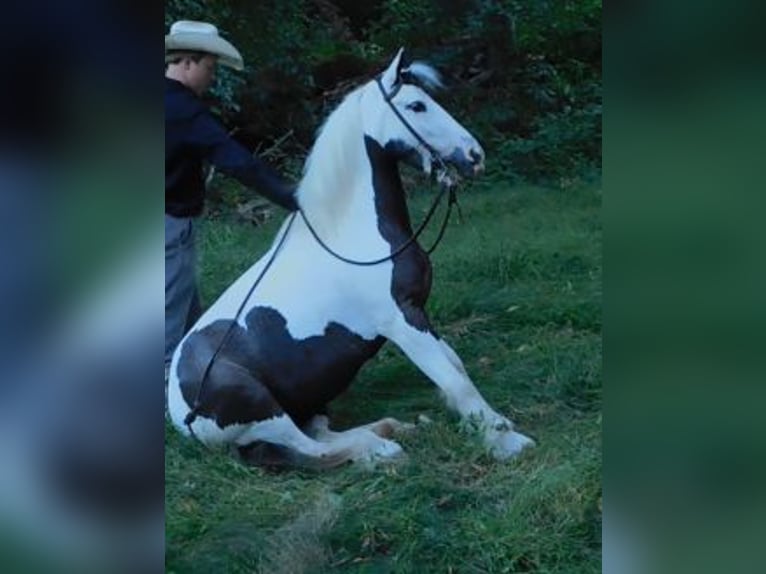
(476,155)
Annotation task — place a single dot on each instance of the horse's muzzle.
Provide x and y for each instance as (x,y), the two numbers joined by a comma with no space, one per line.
(470,164)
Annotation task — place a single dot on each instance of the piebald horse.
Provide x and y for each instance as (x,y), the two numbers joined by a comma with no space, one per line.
(284,350)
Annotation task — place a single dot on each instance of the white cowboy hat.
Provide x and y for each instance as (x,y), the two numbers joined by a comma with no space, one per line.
(202,37)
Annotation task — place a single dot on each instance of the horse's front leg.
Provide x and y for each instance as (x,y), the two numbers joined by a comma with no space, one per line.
(442,365)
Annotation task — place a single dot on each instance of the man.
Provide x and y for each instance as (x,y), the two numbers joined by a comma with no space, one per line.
(192,134)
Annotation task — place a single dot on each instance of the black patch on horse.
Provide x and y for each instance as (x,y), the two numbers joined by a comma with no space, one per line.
(262,372)
(411,277)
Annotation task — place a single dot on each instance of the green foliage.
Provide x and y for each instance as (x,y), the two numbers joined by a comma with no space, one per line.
(542,20)
(561,144)
(524,76)
(411,23)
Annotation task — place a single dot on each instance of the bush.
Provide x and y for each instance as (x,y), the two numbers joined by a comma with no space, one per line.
(525,77)
(562,144)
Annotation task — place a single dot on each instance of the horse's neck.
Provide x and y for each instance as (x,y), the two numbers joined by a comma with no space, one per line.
(389,197)
(361,193)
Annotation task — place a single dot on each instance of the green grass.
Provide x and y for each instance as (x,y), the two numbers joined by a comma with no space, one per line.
(517,293)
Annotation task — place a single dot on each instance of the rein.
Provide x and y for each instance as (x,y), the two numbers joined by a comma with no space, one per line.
(406,244)
(446,186)
(192,415)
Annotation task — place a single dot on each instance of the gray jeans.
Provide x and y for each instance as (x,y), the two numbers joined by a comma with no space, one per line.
(182,304)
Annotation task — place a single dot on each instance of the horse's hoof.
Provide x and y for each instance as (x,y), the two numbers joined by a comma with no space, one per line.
(509,444)
(388,449)
(384,452)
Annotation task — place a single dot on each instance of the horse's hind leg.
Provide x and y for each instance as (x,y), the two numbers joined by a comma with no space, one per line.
(282,432)
(376,437)
(388,427)
(307,451)
(319,427)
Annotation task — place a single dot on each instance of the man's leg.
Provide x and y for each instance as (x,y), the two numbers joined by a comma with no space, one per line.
(182,306)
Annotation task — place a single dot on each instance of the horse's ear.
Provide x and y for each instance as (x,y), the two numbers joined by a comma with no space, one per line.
(392,73)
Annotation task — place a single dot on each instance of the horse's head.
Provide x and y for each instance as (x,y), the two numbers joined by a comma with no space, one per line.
(403,118)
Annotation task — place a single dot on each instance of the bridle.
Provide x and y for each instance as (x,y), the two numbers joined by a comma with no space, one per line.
(388,97)
(446,185)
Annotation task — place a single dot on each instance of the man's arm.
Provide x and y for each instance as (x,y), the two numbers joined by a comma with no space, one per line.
(235,160)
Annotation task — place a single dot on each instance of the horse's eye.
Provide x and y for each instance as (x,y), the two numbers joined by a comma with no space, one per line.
(417,106)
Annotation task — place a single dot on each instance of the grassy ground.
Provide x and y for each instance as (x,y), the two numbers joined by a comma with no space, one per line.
(517,293)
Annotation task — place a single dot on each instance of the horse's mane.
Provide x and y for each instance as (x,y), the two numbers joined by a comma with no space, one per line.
(423,75)
(327,173)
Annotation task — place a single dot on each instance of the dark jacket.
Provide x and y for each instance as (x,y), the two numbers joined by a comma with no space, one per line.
(192,134)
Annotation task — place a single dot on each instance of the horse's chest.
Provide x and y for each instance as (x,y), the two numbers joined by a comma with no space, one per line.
(411,278)
(302,375)
(306,373)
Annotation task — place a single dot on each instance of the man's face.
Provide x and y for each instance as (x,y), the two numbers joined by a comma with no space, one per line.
(200,75)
